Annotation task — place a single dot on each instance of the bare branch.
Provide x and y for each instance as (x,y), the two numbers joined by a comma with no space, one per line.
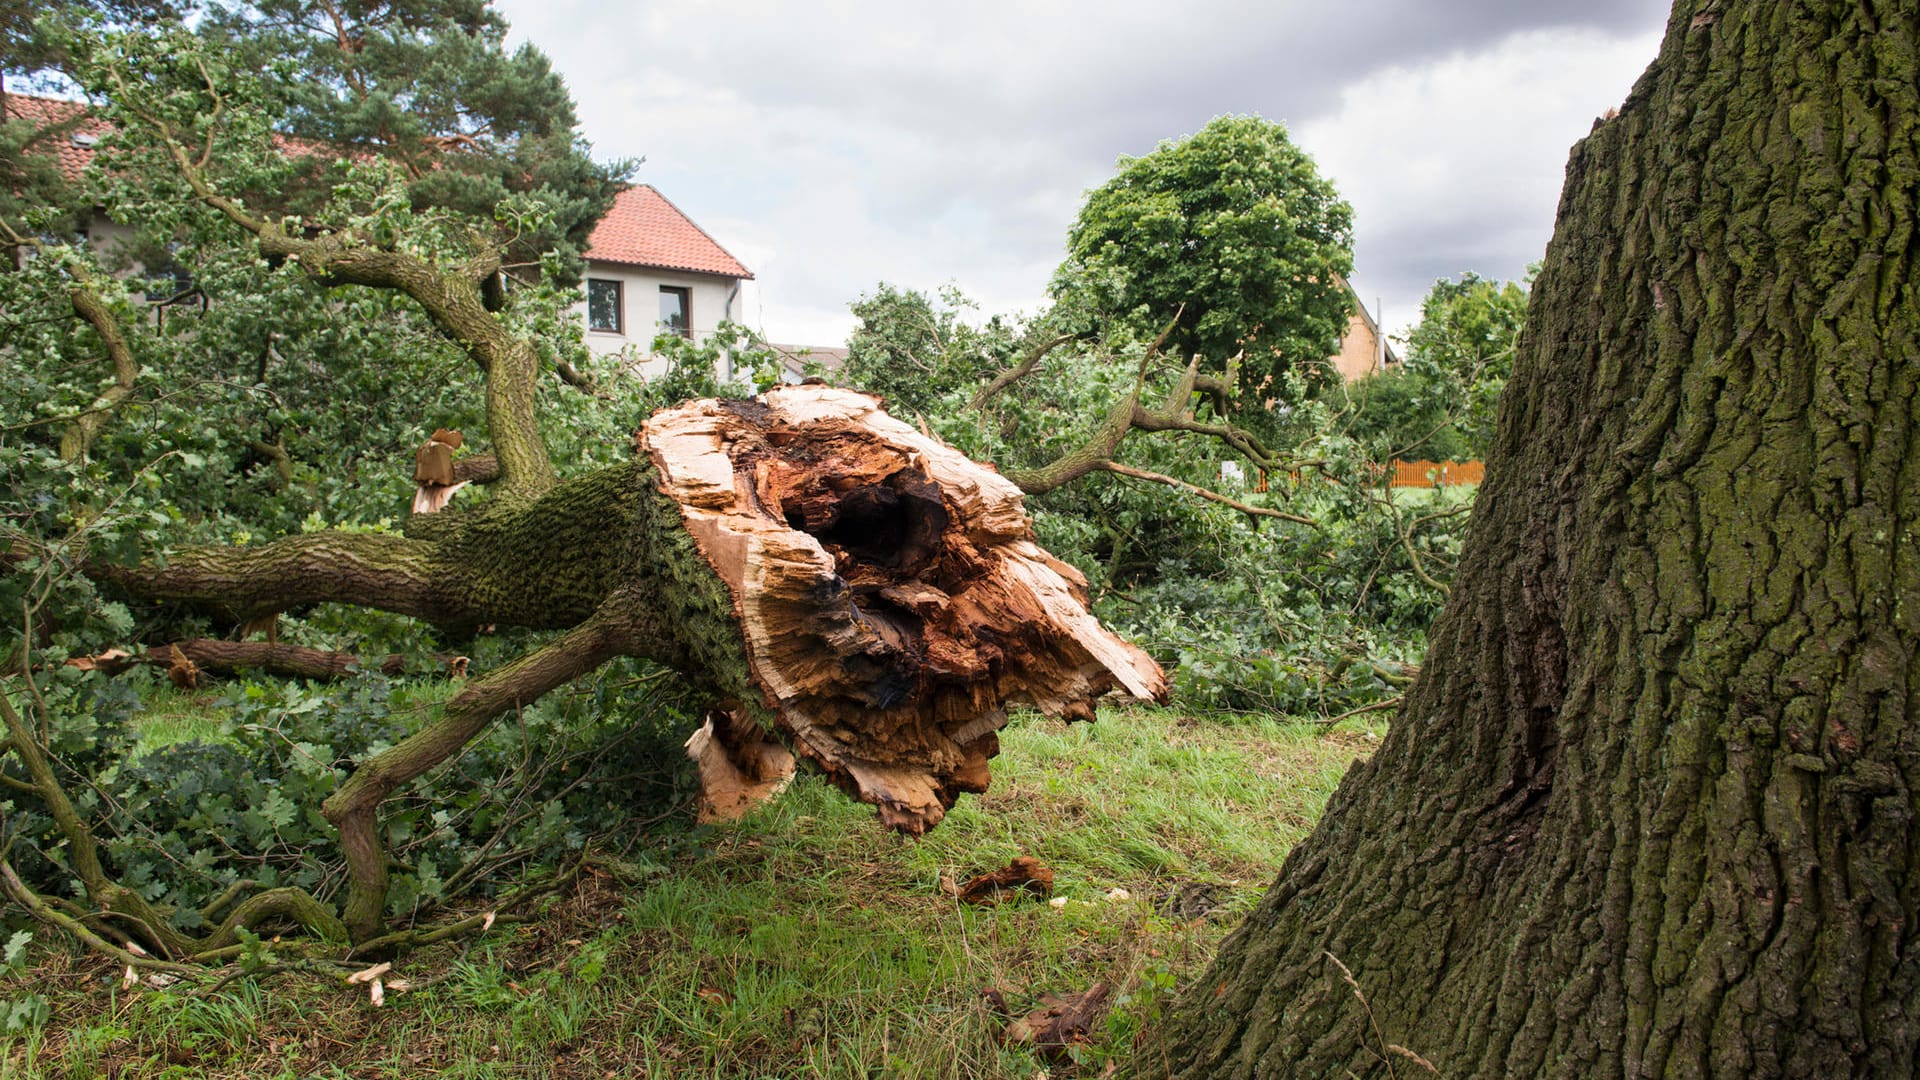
(1016,373)
(1206,493)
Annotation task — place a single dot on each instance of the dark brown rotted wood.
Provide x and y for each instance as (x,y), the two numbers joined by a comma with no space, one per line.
(891,597)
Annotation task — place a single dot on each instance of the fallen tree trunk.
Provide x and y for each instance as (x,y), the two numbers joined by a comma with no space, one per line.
(889,595)
(824,572)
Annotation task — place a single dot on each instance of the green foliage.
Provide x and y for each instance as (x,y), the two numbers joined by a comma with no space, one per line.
(240,799)
(1407,413)
(273,399)
(25,1010)
(915,350)
(1293,619)
(1234,228)
(1440,404)
(732,361)
(431,86)
(274,404)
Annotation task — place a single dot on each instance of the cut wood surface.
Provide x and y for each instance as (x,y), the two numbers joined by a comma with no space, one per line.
(890,595)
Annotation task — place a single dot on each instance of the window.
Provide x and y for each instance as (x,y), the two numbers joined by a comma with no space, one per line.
(676,311)
(603,305)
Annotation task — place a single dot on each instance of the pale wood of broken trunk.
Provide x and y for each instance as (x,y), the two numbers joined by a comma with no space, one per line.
(889,592)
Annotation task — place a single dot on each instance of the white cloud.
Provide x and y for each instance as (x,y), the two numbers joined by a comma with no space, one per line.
(1456,164)
(832,146)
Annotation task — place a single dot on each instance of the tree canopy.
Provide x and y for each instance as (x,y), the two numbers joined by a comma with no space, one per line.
(430,85)
(1234,230)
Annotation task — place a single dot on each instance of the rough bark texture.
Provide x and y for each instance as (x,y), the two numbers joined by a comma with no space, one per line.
(1649,809)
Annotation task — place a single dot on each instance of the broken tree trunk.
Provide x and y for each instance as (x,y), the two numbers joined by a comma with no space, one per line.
(824,572)
(888,591)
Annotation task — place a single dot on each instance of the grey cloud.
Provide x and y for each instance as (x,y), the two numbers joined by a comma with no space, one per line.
(861,141)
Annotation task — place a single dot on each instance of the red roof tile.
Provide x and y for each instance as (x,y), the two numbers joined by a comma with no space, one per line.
(73,148)
(644,229)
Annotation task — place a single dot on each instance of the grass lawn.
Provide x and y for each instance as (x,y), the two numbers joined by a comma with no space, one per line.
(802,942)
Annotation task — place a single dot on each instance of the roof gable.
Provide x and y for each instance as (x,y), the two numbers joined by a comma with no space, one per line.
(644,229)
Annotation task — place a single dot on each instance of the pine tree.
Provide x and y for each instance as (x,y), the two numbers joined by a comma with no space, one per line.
(431,85)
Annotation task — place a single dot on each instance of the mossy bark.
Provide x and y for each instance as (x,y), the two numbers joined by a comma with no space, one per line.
(604,556)
(1649,810)
(814,566)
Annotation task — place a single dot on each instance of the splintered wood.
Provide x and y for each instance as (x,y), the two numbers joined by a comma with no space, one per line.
(891,597)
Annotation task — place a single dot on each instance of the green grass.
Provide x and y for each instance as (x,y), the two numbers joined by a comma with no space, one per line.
(169,716)
(802,942)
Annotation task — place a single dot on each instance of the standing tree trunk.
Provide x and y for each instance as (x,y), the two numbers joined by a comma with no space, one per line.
(1649,810)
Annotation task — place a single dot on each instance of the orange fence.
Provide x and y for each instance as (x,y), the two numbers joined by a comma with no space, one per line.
(1426,474)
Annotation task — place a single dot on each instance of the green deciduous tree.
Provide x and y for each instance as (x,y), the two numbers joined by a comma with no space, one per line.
(1234,229)
(1649,809)
(914,350)
(1464,345)
(1439,404)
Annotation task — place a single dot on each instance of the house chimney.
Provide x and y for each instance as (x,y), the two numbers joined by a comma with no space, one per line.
(1379,338)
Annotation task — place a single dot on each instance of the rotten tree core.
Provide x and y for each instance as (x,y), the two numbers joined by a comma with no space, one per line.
(891,598)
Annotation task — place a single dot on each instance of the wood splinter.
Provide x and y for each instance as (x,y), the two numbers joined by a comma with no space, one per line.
(888,592)
(433,474)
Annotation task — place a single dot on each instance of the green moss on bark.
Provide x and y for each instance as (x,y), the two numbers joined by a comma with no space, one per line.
(1648,810)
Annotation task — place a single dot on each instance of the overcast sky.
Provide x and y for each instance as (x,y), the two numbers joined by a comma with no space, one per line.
(834,145)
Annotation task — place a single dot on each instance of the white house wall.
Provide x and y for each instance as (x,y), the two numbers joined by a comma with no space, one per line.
(108,237)
(708,298)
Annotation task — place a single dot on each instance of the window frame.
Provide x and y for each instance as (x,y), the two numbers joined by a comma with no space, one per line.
(685,293)
(619,306)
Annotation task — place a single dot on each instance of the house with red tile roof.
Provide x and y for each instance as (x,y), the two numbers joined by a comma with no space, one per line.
(71,133)
(651,270)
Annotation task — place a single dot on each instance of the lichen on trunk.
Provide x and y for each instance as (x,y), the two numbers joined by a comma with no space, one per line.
(1649,809)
